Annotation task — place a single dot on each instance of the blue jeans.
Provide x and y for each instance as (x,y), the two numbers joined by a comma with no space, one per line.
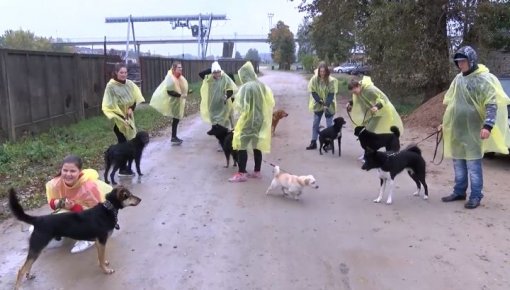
(317,116)
(472,168)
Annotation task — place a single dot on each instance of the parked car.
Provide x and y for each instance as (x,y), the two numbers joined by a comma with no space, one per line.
(361,70)
(345,68)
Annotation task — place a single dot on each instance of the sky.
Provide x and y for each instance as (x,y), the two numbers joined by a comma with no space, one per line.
(85,20)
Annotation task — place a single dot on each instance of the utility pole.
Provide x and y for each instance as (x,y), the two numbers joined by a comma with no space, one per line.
(270,16)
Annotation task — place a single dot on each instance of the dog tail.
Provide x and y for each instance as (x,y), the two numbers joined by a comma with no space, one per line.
(17,210)
(413,148)
(276,170)
(395,131)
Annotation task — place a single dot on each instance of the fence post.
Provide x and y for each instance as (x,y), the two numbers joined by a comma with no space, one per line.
(77,83)
(7,104)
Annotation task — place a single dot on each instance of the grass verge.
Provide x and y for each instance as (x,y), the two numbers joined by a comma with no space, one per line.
(30,162)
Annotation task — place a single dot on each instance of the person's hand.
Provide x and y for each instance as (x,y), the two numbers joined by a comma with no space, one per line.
(130,113)
(374,109)
(68,204)
(484,133)
(348,107)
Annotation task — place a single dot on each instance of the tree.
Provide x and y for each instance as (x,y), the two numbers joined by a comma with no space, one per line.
(252,54)
(238,55)
(304,39)
(283,48)
(26,40)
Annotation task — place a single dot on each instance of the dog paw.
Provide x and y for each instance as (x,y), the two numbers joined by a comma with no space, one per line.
(388,202)
(108,271)
(416,193)
(377,200)
(29,276)
(425,197)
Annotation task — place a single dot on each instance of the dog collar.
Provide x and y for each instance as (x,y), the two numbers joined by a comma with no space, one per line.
(109,206)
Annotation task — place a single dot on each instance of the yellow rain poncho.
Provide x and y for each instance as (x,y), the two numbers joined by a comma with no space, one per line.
(167,105)
(117,99)
(255,103)
(213,107)
(465,115)
(87,192)
(380,121)
(322,89)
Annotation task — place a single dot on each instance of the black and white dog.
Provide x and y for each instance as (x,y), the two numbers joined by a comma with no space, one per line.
(327,137)
(390,164)
(367,139)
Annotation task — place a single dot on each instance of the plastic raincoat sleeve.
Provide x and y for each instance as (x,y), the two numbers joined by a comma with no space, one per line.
(116,101)
(214,109)
(255,102)
(465,115)
(87,192)
(383,119)
(314,85)
(167,105)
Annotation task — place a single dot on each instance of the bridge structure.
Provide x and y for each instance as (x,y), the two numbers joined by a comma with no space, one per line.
(199,24)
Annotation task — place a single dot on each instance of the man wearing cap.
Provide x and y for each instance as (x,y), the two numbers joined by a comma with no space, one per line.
(475,121)
(216,92)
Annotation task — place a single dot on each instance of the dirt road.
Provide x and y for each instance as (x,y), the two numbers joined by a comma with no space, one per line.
(194,230)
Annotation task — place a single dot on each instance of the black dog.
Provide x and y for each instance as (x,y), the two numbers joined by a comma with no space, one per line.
(390,164)
(94,224)
(224,137)
(327,137)
(123,153)
(374,141)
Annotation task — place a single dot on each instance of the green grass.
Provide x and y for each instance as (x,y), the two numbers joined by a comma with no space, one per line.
(30,162)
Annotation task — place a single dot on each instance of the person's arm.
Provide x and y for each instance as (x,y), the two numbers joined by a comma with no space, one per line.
(490,116)
(205,72)
(316,97)
(329,99)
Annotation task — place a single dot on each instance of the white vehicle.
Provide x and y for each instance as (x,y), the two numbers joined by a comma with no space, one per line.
(345,68)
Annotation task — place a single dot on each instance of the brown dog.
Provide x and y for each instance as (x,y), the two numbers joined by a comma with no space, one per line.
(277,116)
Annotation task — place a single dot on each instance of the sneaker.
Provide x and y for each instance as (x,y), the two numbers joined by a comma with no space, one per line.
(238,177)
(81,246)
(255,174)
(176,141)
(472,203)
(453,197)
(55,244)
(126,172)
(312,146)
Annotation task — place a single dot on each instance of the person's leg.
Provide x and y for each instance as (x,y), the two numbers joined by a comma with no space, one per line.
(461,181)
(175,139)
(329,120)
(317,116)
(242,159)
(257,156)
(475,172)
(123,169)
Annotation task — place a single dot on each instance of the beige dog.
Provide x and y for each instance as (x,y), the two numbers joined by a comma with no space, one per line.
(291,184)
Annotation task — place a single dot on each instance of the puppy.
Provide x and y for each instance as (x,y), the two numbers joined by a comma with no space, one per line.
(327,137)
(118,154)
(224,137)
(94,224)
(367,139)
(291,184)
(277,116)
(390,164)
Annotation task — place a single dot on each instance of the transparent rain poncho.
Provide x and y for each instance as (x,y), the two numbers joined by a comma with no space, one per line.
(167,105)
(380,121)
(117,99)
(465,115)
(254,102)
(213,107)
(322,89)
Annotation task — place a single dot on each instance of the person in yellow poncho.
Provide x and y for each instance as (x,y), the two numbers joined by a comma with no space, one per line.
(169,98)
(216,92)
(474,122)
(74,190)
(254,101)
(119,102)
(371,108)
(323,89)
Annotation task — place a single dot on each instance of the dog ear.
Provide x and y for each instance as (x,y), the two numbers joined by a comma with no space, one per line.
(122,192)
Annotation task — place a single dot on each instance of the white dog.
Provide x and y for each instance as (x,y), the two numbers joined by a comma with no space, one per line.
(291,184)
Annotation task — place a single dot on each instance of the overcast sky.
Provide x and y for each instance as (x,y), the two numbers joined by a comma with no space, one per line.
(85,20)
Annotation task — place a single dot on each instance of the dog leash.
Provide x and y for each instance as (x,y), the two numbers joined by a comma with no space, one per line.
(273,165)
(439,139)
(364,118)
